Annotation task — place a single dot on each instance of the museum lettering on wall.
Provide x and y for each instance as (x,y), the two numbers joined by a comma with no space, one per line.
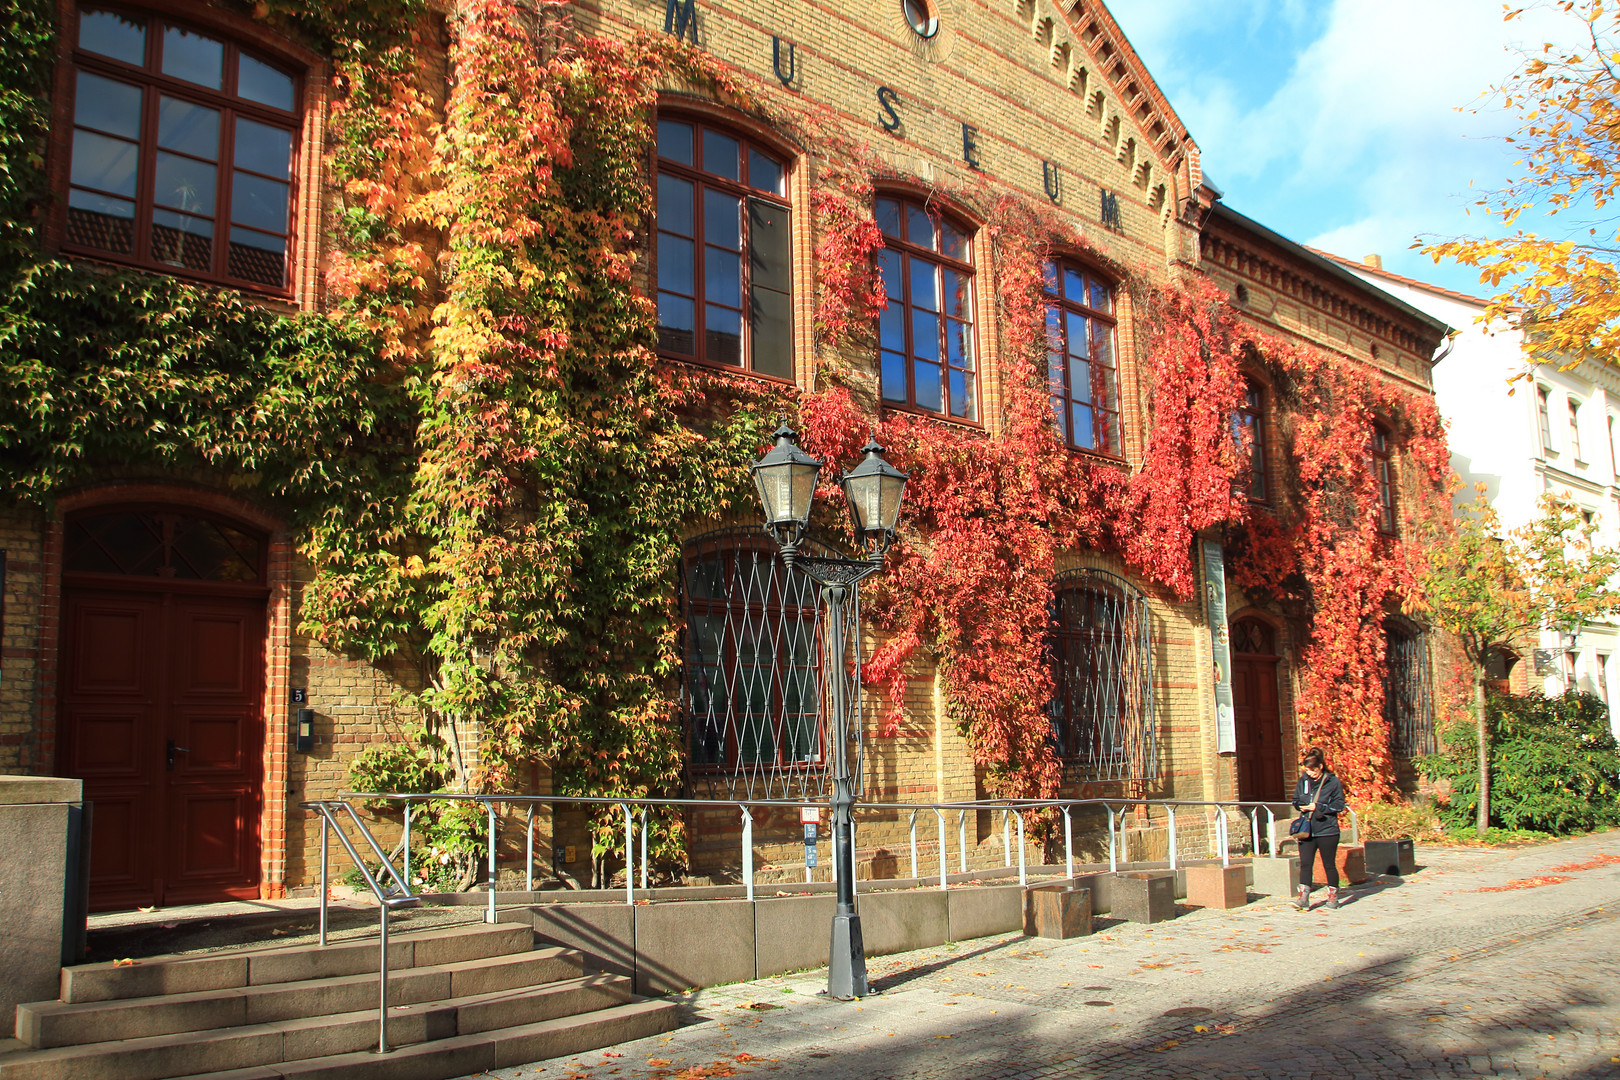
(681,20)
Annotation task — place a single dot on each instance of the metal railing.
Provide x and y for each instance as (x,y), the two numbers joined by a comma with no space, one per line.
(388,899)
(1213,813)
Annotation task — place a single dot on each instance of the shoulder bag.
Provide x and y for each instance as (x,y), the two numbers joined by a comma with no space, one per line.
(1300,827)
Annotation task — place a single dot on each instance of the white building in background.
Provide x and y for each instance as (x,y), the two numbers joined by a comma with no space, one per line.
(1554,431)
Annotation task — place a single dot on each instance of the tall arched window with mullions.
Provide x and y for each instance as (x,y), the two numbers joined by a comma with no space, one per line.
(925,334)
(1082,372)
(724,241)
(182,150)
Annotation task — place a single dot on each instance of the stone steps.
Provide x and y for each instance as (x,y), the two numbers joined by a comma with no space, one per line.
(233,968)
(47,1024)
(470,1054)
(460,997)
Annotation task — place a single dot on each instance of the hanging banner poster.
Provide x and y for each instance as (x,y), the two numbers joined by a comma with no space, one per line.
(1220,645)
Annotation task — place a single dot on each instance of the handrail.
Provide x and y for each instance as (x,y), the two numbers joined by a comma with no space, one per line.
(387,900)
(1011,812)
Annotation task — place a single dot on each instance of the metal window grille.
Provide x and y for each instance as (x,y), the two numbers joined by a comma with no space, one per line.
(753,681)
(1101,652)
(1408,708)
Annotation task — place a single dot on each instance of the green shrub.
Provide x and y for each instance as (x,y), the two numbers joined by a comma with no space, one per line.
(1555,767)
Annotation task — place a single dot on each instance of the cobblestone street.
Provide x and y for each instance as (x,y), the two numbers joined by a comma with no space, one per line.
(1445,973)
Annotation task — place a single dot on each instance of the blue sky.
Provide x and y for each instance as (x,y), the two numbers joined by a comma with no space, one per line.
(1354,126)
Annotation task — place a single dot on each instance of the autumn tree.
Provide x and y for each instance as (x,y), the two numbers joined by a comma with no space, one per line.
(1491,588)
(1563,292)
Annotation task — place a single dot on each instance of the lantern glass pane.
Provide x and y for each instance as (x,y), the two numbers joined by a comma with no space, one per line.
(804,490)
(893,488)
(774,491)
(862,492)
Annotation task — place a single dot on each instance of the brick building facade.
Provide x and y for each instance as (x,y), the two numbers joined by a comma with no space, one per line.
(1044,102)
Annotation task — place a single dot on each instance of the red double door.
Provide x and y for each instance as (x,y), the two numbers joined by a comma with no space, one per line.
(160,712)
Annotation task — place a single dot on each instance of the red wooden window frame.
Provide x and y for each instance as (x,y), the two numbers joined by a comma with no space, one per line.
(1084,384)
(1381,460)
(763,249)
(1249,427)
(154,86)
(907,346)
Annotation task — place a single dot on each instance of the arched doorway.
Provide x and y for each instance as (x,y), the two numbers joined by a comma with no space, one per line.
(160,700)
(1256,713)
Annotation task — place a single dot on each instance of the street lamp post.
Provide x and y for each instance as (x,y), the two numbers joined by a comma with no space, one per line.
(786,478)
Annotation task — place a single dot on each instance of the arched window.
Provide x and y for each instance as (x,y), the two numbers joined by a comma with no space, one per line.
(182,151)
(1544,418)
(752,681)
(925,334)
(725,280)
(1499,665)
(1381,461)
(1082,372)
(162,543)
(1253,637)
(1249,432)
(1407,706)
(1100,650)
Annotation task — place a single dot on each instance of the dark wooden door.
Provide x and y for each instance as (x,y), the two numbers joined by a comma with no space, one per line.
(1259,728)
(214,715)
(160,715)
(108,716)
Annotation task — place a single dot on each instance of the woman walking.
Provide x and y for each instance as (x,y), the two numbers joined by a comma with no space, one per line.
(1319,798)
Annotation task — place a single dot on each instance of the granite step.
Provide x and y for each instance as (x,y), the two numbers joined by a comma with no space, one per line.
(296,1044)
(48,1024)
(464,1055)
(230,969)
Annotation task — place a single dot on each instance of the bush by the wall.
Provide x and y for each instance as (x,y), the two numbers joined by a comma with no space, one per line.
(1555,766)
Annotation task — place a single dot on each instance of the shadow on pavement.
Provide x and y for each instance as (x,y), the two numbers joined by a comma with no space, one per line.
(1364,1021)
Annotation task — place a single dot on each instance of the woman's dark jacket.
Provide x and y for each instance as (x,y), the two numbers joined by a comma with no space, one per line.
(1328,794)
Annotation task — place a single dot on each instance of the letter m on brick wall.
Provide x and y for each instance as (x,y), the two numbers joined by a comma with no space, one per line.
(680,19)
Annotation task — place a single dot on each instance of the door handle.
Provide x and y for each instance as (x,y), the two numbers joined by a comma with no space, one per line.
(173,750)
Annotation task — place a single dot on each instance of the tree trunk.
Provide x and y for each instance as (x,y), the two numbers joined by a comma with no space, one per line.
(1483,818)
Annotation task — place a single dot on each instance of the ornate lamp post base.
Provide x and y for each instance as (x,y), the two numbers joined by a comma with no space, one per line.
(846,962)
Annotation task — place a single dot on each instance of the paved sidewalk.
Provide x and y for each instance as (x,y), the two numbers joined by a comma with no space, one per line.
(1419,977)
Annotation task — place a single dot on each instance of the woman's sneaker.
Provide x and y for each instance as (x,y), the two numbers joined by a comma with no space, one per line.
(1332,898)
(1303,899)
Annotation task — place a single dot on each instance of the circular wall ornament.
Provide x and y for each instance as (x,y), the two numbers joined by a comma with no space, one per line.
(921,16)
(924,27)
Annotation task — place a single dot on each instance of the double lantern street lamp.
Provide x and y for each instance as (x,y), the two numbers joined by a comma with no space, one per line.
(786,478)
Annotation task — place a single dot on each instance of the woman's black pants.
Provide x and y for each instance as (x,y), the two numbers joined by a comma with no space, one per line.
(1329,847)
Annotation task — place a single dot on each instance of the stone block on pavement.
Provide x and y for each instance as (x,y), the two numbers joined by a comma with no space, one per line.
(1352,860)
(1057,911)
(1276,877)
(982,910)
(1390,856)
(1217,886)
(1144,896)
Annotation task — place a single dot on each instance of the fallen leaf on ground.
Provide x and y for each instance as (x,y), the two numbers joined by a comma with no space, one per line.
(1526,883)
(1596,862)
